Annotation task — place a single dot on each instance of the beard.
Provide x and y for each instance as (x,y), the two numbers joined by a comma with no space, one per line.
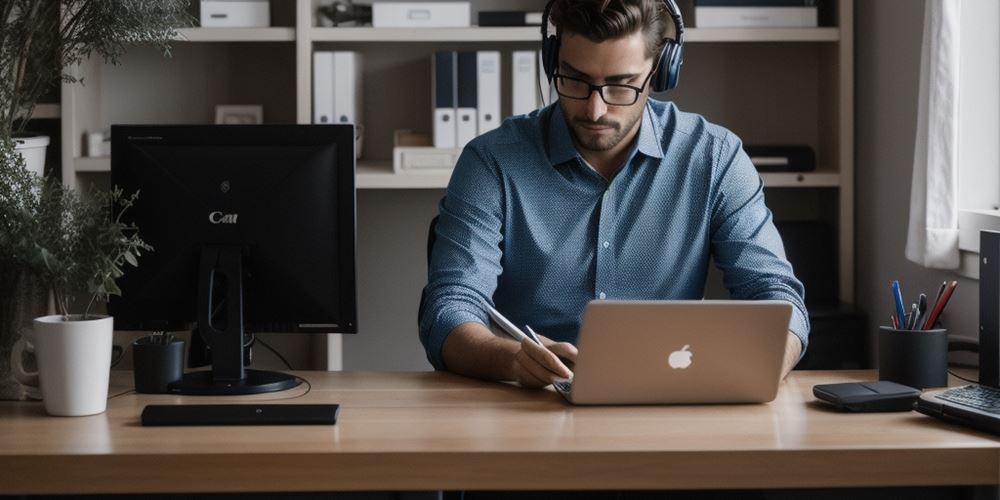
(604,140)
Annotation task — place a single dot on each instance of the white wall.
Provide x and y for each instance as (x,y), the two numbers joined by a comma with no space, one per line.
(888,37)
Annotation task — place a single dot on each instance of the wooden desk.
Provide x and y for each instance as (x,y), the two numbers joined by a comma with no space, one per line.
(427,431)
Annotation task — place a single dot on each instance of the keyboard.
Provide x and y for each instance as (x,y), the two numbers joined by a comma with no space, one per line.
(982,398)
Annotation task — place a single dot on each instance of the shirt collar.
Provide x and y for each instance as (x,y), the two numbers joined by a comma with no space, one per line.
(561,148)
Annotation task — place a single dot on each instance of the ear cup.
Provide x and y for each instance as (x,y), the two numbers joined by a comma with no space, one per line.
(668,71)
(550,55)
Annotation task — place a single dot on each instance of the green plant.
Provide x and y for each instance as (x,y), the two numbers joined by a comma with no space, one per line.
(77,246)
(40,39)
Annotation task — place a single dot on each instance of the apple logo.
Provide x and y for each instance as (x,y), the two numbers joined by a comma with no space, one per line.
(680,359)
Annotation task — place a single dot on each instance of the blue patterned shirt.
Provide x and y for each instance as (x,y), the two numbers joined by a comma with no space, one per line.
(528,226)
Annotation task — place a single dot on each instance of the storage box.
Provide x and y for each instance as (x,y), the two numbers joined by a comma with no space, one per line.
(235,13)
(421,14)
(424,159)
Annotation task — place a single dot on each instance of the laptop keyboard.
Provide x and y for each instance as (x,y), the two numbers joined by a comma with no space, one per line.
(976,396)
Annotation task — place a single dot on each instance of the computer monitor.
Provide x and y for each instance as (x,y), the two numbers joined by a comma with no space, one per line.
(253,230)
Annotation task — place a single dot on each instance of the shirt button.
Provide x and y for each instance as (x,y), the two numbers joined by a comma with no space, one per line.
(602,296)
(607,244)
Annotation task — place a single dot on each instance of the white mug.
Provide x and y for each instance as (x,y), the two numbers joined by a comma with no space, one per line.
(28,380)
(74,363)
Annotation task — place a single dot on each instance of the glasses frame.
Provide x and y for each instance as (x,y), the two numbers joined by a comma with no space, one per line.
(600,88)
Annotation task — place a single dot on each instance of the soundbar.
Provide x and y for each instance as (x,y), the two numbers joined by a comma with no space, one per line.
(240,414)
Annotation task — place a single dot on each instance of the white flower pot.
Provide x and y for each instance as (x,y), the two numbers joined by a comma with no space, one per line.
(74,363)
(32,149)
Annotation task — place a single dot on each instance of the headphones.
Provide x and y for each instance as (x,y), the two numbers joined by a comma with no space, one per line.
(668,66)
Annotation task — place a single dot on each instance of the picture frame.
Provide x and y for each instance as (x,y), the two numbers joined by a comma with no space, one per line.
(239,114)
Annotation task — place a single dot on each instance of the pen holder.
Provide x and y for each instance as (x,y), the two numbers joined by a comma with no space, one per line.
(157,364)
(917,358)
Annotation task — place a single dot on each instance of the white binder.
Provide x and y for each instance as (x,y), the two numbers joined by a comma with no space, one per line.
(488,91)
(347,87)
(323,87)
(445,98)
(466,115)
(524,82)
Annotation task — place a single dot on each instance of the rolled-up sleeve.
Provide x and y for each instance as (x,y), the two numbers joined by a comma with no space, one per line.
(745,244)
(465,260)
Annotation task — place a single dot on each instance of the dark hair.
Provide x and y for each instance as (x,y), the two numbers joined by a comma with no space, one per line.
(600,20)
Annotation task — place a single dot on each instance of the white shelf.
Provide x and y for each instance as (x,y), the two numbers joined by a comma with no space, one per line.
(801,179)
(92,164)
(236,35)
(531,34)
(379,175)
(470,34)
(762,35)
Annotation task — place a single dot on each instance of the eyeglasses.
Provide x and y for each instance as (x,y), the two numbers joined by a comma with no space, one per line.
(614,94)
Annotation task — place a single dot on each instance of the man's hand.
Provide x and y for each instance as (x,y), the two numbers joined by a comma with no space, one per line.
(536,366)
(793,349)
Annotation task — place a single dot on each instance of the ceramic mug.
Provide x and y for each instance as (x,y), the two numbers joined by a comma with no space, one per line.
(74,363)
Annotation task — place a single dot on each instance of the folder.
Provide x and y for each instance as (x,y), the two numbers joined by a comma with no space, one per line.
(524,82)
(445,98)
(347,87)
(466,115)
(323,87)
(488,90)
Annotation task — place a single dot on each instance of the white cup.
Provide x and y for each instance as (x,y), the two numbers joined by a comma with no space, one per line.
(74,363)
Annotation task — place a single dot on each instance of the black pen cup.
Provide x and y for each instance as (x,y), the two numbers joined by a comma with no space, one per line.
(157,364)
(917,358)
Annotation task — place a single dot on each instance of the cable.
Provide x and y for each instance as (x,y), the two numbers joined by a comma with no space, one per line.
(276,353)
(121,394)
(963,378)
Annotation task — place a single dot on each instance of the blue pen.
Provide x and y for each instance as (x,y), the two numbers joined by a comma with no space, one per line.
(897,296)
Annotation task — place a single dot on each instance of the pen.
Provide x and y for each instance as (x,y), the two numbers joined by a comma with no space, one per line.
(940,305)
(897,296)
(911,324)
(533,336)
(921,312)
(893,322)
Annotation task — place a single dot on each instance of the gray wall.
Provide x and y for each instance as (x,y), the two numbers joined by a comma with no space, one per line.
(888,39)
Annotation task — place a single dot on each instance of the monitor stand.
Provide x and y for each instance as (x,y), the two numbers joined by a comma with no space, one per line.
(220,323)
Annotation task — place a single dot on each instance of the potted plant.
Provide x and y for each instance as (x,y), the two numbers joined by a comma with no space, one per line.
(78,247)
(41,39)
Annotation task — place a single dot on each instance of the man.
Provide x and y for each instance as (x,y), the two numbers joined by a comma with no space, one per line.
(606,194)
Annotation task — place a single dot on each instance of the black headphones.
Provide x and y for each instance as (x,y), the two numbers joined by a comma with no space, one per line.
(668,67)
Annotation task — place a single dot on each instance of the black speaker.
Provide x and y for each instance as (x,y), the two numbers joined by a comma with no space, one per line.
(989,308)
(812,250)
(837,339)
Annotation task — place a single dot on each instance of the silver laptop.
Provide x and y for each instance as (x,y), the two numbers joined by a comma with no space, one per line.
(660,352)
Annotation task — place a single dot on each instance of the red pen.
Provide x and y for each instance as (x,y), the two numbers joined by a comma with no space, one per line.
(939,306)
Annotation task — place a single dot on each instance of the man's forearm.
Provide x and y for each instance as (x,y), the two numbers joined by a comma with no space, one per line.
(793,349)
(473,350)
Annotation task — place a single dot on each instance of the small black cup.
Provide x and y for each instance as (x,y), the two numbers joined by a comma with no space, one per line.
(157,364)
(917,358)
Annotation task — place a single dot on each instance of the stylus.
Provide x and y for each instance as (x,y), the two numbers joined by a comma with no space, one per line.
(505,324)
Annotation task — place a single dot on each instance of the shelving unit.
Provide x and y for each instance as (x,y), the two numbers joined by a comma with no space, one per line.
(778,86)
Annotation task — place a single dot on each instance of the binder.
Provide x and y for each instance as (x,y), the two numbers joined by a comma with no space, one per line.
(466,115)
(488,90)
(524,82)
(347,87)
(445,98)
(323,87)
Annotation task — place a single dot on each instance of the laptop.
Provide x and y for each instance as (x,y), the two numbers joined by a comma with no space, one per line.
(976,406)
(679,352)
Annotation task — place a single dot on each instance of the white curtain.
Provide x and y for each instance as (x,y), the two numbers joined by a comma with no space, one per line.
(932,240)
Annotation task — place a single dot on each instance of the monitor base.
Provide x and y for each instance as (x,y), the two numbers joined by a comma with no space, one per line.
(201,383)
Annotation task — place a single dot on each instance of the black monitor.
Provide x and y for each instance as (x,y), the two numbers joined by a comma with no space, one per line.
(253,230)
